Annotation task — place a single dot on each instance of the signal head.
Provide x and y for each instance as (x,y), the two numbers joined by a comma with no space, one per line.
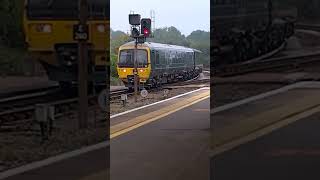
(146,27)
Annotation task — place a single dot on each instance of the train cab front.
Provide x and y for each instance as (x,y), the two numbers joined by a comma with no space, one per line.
(126,66)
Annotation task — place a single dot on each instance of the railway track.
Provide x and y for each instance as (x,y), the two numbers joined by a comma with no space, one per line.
(117,94)
(19,108)
(268,64)
(308,27)
(11,96)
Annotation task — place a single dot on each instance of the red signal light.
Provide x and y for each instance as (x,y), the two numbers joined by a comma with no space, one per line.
(146,31)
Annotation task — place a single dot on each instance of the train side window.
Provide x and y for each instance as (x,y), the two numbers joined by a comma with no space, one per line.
(153,55)
(157,57)
(163,57)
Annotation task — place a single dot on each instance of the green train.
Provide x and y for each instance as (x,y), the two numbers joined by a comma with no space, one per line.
(157,64)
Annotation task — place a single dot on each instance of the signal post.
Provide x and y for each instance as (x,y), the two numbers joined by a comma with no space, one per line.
(81,34)
(140,38)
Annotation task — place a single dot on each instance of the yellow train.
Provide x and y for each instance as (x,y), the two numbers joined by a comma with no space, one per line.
(157,64)
(49,28)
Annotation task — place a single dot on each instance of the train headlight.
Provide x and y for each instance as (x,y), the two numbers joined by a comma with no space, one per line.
(141,70)
(124,70)
(44,28)
(101,28)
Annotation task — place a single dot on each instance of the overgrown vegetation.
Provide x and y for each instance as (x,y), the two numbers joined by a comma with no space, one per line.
(12,51)
(11,23)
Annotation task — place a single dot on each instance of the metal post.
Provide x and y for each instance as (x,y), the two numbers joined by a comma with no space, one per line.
(135,73)
(270,11)
(83,70)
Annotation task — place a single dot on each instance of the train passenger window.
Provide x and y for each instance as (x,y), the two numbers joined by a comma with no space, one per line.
(163,57)
(180,57)
(177,57)
(157,57)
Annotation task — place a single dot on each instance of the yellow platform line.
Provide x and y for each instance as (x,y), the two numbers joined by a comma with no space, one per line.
(137,122)
(263,131)
(102,175)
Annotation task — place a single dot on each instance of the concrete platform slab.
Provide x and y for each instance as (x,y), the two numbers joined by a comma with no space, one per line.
(175,147)
(247,116)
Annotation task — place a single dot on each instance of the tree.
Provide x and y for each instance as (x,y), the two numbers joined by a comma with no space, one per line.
(118,38)
(169,35)
(11,22)
(200,40)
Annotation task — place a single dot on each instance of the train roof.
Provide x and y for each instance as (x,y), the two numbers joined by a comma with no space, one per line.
(159,45)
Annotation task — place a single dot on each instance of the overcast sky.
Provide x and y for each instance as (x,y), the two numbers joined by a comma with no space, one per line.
(185,15)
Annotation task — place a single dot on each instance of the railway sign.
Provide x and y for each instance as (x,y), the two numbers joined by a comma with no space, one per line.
(124,97)
(134,19)
(165,92)
(144,93)
(102,100)
(80,32)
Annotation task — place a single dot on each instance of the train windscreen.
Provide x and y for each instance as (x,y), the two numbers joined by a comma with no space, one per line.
(60,9)
(126,58)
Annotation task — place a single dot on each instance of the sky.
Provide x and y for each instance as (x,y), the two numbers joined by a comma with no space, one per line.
(185,15)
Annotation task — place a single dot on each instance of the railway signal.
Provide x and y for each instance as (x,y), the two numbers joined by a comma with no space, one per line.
(146,27)
(134,19)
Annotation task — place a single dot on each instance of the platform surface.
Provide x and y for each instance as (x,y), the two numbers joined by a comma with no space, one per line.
(167,140)
(270,136)
(257,112)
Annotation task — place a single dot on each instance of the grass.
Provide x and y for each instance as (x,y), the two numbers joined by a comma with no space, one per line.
(114,81)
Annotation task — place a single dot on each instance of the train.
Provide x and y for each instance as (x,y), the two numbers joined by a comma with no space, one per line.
(156,64)
(49,27)
(245,29)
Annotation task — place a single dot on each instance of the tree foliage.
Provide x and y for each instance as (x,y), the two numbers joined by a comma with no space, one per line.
(11,22)
(118,38)
(170,35)
(200,40)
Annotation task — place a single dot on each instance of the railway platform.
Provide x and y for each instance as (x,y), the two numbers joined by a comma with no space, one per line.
(269,136)
(170,143)
(165,140)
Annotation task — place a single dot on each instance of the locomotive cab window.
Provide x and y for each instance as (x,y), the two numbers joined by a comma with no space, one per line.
(126,58)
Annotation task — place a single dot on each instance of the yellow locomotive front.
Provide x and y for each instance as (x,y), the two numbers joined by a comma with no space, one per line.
(49,30)
(125,65)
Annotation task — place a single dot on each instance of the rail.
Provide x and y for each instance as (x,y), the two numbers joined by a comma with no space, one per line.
(288,61)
